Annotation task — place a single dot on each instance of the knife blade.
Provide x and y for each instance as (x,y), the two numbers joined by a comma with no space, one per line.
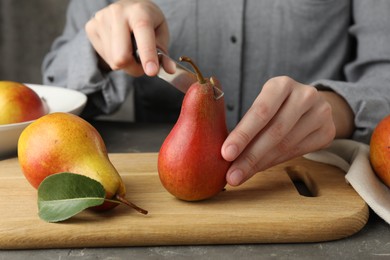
(173,72)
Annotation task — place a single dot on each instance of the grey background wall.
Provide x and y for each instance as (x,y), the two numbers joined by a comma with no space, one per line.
(27,29)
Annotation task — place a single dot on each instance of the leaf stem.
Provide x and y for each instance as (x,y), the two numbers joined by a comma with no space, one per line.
(121,200)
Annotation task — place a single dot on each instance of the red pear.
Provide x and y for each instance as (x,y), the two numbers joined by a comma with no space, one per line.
(190,163)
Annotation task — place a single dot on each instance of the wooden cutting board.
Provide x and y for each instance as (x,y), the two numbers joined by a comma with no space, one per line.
(266,209)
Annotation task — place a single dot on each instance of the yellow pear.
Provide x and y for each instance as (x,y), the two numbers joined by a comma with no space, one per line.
(63,142)
(19,103)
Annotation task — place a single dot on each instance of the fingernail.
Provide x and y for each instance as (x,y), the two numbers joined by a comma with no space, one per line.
(150,68)
(231,152)
(235,177)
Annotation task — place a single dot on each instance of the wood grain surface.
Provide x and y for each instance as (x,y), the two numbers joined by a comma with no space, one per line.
(266,209)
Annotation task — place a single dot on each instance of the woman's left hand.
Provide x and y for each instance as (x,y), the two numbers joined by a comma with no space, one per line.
(287,119)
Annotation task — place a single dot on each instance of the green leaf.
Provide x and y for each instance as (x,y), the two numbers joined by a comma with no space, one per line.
(63,195)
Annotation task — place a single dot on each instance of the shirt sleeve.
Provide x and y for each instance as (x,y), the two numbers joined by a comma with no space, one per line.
(367,78)
(73,63)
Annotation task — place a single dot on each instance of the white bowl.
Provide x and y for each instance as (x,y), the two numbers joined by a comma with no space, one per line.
(57,99)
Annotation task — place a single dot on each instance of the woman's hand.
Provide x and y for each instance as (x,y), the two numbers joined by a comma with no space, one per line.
(287,119)
(109,32)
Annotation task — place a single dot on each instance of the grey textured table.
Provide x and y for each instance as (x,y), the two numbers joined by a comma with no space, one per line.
(372,242)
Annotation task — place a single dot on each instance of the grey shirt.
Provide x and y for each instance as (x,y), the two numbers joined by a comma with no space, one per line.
(342,45)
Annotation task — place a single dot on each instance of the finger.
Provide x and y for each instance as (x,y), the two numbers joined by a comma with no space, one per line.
(162,35)
(315,130)
(144,34)
(304,146)
(263,109)
(318,121)
(98,30)
(103,30)
(93,37)
(96,33)
(319,139)
(121,49)
(162,38)
(168,65)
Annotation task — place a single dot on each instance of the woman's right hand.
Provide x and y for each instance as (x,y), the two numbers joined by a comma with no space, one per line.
(109,32)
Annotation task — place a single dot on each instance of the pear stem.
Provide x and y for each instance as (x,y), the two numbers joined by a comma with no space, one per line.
(128,203)
(199,75)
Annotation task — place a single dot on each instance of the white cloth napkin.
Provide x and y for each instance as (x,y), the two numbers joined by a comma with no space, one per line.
(353,158)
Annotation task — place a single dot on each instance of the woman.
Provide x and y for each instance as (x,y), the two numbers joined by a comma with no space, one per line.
(296,74)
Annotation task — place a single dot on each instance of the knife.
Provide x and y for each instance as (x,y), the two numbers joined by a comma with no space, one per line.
(173,72)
